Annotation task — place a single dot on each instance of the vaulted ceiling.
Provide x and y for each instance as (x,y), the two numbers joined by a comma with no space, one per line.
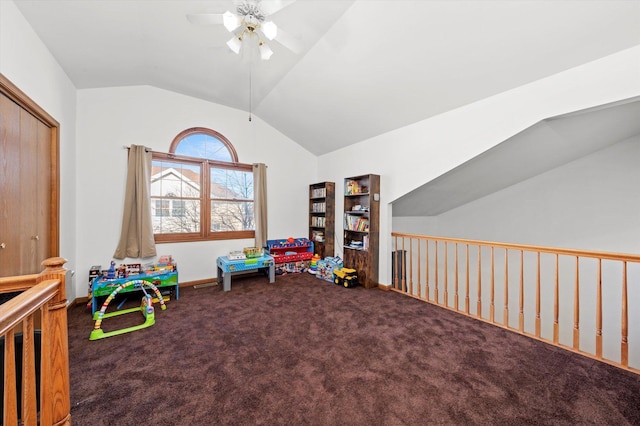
(365,67)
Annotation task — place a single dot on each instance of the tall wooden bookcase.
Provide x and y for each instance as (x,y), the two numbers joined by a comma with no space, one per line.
(362,227)
(322,212)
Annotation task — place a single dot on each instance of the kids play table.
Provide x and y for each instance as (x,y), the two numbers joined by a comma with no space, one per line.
(227,268)
(103,287)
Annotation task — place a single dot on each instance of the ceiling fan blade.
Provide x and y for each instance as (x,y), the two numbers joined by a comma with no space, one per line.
(269,30)
(288,41)
(269,7)
(205,18)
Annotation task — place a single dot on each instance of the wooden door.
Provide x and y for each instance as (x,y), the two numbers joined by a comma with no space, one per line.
(34,192)
(28,184)
(10,263)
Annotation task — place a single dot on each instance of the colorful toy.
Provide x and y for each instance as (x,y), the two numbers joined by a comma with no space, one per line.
(146,307)
(327,266)
(111,273)
(313,268)
(346,277)
(251,252)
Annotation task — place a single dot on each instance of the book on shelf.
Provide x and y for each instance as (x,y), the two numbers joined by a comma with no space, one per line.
(318,221)
(357,245)
(318,207)
(319,193)
(356,223)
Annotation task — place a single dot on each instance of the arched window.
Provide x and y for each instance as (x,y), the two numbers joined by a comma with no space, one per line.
(199,190)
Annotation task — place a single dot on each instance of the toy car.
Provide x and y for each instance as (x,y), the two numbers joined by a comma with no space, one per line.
(345,277)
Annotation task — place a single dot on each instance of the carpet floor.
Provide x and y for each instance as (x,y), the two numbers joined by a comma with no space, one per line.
(303,351)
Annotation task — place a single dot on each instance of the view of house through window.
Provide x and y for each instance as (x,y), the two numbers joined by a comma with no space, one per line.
(199,190)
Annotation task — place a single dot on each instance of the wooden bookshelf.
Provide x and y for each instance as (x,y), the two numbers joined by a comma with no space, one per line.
(361,225)
(322,212)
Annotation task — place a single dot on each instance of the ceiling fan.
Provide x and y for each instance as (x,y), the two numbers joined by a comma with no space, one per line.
(249,23)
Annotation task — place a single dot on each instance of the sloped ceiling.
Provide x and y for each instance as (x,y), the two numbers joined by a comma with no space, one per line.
(366,67)
(540,148)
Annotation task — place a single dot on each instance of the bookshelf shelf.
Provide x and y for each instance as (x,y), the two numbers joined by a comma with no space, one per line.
(361,224)
(322,217)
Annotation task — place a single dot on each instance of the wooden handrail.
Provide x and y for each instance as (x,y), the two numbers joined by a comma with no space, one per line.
(44,294)
(525,247)
(558,290)
(14,311)
(21,283)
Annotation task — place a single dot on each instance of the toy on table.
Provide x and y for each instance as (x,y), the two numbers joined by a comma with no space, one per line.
(146,308)
(251,252)
(111,273)
(236,255)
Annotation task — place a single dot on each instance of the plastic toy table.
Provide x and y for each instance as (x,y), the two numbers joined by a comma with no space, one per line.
(102,286)
(227,268)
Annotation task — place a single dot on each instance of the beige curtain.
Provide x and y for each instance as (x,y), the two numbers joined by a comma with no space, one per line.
(136,237)
(260,203)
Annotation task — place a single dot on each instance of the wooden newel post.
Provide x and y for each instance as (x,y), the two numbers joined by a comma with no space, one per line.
(55,405)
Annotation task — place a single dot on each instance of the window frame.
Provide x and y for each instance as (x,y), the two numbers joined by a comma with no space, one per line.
(205,165)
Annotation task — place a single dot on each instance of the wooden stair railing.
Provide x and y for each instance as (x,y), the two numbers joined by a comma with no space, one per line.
(42,300)
(578,300)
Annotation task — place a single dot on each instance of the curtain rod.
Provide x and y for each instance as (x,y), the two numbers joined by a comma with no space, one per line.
(145,148)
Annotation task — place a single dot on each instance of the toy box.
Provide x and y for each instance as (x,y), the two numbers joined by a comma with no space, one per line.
(94,271)
(251,252)
(290,250)
(327,266)
(236,255)
(292,267)
(345,277)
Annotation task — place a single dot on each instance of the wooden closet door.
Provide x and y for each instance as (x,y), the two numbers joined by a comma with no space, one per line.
(10,197)
(25,190)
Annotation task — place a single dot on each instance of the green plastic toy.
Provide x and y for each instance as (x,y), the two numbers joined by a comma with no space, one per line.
(146,308)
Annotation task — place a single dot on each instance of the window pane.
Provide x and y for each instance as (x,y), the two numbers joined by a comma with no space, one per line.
(174,179)
(160,208)
(232,216)
(204,180)
(231,184)
(201,145)
(178,208)
(179,216)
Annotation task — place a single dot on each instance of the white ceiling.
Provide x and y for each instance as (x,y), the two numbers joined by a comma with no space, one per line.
(366,67)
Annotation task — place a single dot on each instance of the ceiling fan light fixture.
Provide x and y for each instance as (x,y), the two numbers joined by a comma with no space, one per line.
(235,43)
(270,30)
(230,20)
(265,51)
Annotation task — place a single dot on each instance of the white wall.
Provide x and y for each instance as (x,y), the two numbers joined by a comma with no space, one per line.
(591,203)
(411,156)
(27,63)
(111,118)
